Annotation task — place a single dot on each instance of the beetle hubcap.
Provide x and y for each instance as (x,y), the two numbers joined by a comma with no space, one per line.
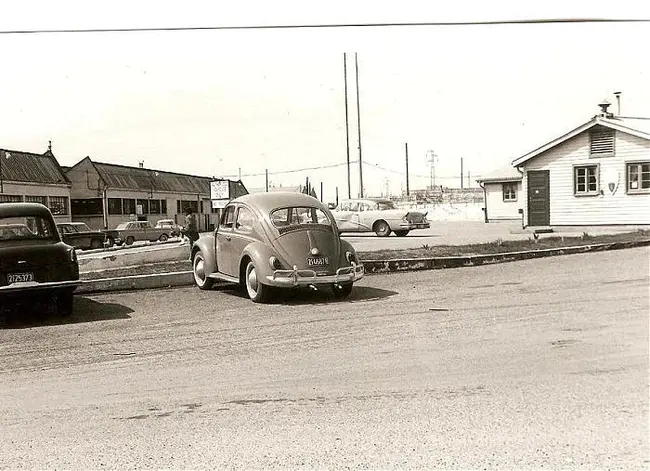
(252,279)
(199,270)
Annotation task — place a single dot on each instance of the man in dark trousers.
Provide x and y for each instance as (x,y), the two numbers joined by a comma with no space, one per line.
(191,227)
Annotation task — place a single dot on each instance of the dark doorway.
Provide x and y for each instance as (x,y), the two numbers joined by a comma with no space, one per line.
(539,213)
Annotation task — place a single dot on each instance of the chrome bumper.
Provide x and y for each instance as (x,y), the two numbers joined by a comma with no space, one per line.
(34,285)
(295,277)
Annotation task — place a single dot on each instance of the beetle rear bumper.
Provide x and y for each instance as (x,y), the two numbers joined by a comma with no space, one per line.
(295,277)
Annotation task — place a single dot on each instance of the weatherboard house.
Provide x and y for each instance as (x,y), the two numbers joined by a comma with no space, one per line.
(597,174)
(502,194)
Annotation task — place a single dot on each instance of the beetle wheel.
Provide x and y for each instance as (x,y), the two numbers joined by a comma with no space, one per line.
(198,270)
(257,291)
(382,229)
(342,290)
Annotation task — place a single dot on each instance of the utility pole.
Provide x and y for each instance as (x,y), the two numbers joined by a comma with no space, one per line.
(468,180)
(406,151)
(347,125)
(267,179)
(356,65)
(321,192)
(432,159)
(461,173)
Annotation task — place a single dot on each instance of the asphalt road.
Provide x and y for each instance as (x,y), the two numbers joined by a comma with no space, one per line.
(532,364)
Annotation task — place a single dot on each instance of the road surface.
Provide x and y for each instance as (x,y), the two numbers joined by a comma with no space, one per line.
(532,364)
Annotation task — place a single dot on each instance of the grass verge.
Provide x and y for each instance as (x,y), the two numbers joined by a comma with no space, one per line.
(503,246)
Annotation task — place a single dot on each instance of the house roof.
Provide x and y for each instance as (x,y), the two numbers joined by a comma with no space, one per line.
(20,166)
(639,127)
(507,173)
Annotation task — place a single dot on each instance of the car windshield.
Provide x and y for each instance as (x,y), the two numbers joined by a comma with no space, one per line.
(122,226)
(298,216)
(26,227)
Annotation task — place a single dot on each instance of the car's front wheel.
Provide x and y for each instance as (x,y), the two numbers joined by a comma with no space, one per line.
(163,237)
(342,290)
(381,228)
(257,291)
(198,269)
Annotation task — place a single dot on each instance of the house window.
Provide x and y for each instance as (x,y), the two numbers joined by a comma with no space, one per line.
(638,177)
(36,199)
(154,206)
(509,192)
(87,207)
(143,207)
(10,198)
(585,180)
(59,205)
(128,206)
(114,205)
(601,142)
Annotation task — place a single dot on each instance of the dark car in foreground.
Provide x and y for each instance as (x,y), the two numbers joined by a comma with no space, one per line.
(80,236)
(33,259)
(276,240)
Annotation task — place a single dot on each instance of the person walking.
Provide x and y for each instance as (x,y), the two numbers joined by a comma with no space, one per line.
(191,228)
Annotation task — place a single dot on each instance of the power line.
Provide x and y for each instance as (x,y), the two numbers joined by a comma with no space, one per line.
(295,170)
(326,26)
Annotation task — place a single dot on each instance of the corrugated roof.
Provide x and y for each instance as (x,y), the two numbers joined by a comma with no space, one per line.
(28,167)
(144,179)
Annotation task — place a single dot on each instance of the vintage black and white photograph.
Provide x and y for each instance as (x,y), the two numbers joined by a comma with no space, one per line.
(320,236)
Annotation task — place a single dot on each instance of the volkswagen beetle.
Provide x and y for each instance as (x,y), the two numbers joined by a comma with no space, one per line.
(276,240)
(33,258)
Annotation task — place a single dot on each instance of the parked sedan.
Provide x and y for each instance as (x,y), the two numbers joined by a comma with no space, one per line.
(169,224)
(33,258)
(129,232)
(377,215)
(276,240)
(80,236)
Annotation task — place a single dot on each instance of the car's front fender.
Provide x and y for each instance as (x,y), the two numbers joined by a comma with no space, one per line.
(206,245)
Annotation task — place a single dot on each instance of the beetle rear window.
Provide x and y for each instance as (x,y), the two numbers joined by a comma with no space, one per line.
(299,216)
(26,227)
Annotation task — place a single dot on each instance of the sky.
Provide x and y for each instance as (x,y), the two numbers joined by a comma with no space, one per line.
(226,102)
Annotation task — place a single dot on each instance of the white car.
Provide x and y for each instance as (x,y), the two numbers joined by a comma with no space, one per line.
(378,215)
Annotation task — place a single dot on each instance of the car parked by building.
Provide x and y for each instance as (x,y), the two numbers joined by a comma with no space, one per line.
(378,215)
(276,240)
(34,260)
(169,224)
(132,231)
(80,236)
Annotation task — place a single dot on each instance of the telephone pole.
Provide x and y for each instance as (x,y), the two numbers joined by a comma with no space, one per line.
(406,150)
(347,125)
(356,66)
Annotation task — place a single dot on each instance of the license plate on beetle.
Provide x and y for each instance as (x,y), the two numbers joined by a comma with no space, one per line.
(19,277)
(318,261)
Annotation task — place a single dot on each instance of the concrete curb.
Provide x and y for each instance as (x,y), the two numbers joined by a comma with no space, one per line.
(119,280)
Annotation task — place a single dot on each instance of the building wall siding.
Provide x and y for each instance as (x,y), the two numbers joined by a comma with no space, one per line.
(498,209)
(606,208)
(24,189)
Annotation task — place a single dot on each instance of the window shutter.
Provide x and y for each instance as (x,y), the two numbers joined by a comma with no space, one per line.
(602,142)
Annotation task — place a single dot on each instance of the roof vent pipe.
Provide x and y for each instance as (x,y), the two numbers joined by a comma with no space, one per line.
(618,103)
(603,109)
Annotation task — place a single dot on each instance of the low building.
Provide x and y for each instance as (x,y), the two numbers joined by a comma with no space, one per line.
(597,174)
(104,195)
(502,195)
(37,178)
